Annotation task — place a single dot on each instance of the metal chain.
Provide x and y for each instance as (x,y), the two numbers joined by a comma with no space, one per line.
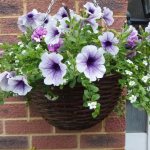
(49,9)
(95,2)
(54,1)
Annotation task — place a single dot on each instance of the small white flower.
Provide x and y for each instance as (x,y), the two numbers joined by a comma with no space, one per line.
(37,47)
(132,83)
(148,89)
(23,52)
(136,67)
(145,62)
(20,43)
(92,105)
(145,78)
(10,53)
(129,91)
(16,61)
(128,72)
(133,98)
(129,61)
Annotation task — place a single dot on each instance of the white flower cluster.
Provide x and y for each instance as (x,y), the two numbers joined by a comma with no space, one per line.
(92,105)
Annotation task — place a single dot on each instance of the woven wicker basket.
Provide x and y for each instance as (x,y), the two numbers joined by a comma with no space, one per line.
(68,112)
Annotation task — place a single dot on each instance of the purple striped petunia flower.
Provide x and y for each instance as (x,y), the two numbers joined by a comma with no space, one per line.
(61,14)
(4,77)
(93,11)
(53,35)
(39,34)
(19,85)
(109,41)
(91,62)
(108,16)
(28,21)
(132,39)
(53,69)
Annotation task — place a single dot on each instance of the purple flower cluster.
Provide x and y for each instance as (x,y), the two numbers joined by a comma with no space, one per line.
(132,39)
(15,84)
(39,34)
(55,47)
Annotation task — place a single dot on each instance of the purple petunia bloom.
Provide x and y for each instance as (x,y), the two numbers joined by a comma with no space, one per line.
(109,41)
(61,14)
(46,20)
(64,25)
(53,35)
(19,85)
(92,22)
(132,39)
(39,34)
(55,47)
(28,21)
(4,77)
(91,62)
(93,11)
(53,69)
(108,16)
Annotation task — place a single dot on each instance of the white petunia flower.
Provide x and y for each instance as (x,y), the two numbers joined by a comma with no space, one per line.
(132,83)
(92,105)
(133,98)
(128,72)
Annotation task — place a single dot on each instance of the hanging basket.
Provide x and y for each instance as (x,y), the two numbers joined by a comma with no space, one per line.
(68,113)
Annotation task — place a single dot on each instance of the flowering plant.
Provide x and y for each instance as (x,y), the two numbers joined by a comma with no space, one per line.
(68,48)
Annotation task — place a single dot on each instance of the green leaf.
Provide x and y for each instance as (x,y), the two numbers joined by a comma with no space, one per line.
(95,97)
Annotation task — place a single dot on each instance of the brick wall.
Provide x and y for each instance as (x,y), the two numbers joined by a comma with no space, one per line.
(21,127)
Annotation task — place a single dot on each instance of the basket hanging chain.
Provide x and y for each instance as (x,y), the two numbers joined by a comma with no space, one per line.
(95,2)
(54,1)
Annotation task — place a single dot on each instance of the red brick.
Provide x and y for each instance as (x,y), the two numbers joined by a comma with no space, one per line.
(115,124)
(13,111)
(13,143)
(11,7)
(119,7)
(96,128)
(42,6)
(15,99)
(55,142)
(118,23)
(34,112)
(9,25)
(25,127)
(8,39)
(103,141)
